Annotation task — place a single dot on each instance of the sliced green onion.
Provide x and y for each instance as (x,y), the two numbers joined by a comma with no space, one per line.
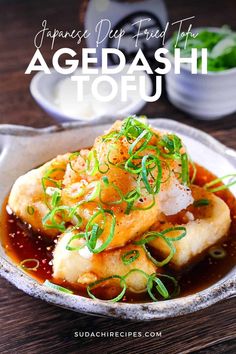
(30,210)
(110,136)
(175,228)
(50,217)
(47,178)
(146,161)
(167,259)
(56,197)
(201,202)
(130,198)
(95,192)
(218,180)
(77,190)
(151,280)
(111,147)
(136,270)
(103,171)
(57,287)
(75,237)
(73,154)
(161,288)
(75,218)
(105,180)
(147,207)
(92,163)
(101,281)
(23,264)
(108,184)
(185,169)
(130,167)
(130,256)
(152,235)
(173,144)
(194,171)
(93,231)
(147,135)
(217,252)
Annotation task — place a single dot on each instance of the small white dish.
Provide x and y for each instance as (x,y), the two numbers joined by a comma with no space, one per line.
(44,88)
(205,96)
(35,146)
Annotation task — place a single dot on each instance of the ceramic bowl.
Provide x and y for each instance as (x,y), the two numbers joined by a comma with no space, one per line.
(205,96)
(43,89)
(33,147)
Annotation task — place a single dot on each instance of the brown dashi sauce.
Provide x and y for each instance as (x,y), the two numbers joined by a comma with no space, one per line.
(21,242)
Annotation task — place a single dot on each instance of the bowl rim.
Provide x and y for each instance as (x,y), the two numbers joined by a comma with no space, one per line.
(185,67)
(223,289)
(51,108)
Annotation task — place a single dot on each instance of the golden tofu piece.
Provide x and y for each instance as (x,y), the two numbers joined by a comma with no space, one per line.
(27,197)
(205,226)
(83,267)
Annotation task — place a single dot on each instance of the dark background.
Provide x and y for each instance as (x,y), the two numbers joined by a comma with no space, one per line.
(28,325)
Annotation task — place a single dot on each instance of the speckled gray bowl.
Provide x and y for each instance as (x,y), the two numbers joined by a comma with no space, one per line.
(23,148)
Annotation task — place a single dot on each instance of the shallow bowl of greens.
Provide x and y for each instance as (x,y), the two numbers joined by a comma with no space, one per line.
(205,96)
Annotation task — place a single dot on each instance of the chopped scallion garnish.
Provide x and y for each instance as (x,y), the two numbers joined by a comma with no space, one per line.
(210,186)
(217,252)
(130,256)
(57,287)
(201,202)
(30,264)
(30,210)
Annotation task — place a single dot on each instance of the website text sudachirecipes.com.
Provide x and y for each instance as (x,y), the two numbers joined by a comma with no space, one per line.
(116,334)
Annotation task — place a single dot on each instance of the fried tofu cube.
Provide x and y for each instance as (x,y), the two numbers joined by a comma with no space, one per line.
(27,192)
(82,267)
(205,226)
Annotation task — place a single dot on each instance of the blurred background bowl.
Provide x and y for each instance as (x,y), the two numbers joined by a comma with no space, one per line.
(205,96)
(56,94)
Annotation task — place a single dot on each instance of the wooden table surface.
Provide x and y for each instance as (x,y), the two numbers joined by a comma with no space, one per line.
(29,325)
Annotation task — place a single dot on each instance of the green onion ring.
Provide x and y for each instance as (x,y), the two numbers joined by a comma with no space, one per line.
(145,134)
(201,202)
(30,210)
(47,178)
(50,217)
(92,159)
(217,252)
(109,237)
(100,281)
(175,228)
(117,189)
(95,193)
(161,286)
(218,180)
(194,171)
(145,173)
(23,264)
(75,237)
(130,256)
(72,155)
(57,287)
(185,169)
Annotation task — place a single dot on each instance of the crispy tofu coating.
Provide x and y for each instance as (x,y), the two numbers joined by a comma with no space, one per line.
(205,226)
(82,267)
(27,197)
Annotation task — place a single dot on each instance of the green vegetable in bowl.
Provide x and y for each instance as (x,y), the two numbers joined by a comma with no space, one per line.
(221,45)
